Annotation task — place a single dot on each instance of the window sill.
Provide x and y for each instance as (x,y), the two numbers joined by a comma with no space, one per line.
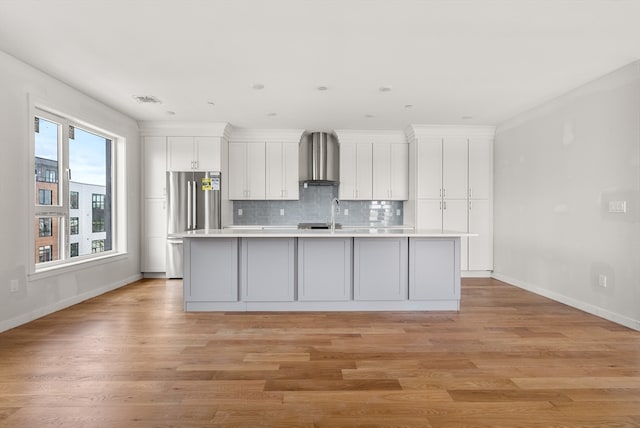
(50,271)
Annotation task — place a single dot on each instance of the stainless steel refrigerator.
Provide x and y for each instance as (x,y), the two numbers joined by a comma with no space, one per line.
(193,202)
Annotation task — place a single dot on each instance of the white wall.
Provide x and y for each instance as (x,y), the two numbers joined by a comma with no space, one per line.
(37,297)
(557,168)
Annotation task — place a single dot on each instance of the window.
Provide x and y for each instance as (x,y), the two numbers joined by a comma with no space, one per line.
(44,196)
(73,200)
(44,253)
(74,226)
(97,245)
(73,162)
(45,228)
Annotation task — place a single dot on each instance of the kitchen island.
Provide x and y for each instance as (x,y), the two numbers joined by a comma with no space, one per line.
(355,269)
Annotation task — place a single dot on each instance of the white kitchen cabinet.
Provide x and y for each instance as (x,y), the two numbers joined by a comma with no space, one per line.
(380,268)
(212,274)
(154,166)
(448,214)
(454,167)
(442,168)
(390,171)
(434,273)
(282,171)
(480,168)
(481,246)
(193,153)
(267,269)
(429,168)
(324,269)
(247,169)
(154,235)
(356,164)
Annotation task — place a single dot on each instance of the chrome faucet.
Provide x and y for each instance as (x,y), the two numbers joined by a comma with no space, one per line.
(335,204)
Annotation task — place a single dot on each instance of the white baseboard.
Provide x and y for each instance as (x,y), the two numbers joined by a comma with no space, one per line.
(578,304)
(475,274)
(65,303)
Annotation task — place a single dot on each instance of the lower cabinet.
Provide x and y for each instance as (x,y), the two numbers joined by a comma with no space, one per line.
(212,274)
(380,268)
(434,272)
(267,269)
(324,269)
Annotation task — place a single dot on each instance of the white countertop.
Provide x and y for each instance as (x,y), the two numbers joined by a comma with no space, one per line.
(319,233)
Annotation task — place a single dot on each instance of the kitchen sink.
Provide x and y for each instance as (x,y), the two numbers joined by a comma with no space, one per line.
(322,226)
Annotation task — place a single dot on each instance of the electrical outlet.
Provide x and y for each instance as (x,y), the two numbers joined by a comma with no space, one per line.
(346,211)
(398,212)
(14,285)
(239,211)
(602,281)
(281,211)
(617,206)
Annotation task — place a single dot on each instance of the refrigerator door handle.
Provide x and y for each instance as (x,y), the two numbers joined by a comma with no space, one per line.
(195,205)
(188,205)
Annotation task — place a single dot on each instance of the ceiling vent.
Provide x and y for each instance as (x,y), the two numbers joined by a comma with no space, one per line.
(146,99)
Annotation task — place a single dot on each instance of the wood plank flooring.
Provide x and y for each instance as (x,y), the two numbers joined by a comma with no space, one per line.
(133,358)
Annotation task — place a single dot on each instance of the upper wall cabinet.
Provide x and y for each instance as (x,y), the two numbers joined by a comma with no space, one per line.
(442,171)
(193,153)
(247,170)
(391,171)
(282,171)
(154,165)
(356,166)
(480,167)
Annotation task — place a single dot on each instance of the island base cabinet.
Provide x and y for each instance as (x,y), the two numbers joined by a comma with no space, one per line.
(380,268)
(324,269)
(267,269)
(212,274)
(434,269)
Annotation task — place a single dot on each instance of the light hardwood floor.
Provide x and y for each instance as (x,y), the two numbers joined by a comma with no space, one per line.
(133,358)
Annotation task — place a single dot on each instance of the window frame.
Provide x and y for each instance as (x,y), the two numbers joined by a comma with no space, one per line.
(62,210)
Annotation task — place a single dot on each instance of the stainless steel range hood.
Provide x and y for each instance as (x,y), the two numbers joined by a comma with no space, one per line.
(320,154)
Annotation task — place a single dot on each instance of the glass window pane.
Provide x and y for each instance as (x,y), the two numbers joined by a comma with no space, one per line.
(48,239)
(47,138)
(90,163)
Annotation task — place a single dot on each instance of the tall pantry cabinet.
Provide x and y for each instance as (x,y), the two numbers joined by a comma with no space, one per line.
(453,188)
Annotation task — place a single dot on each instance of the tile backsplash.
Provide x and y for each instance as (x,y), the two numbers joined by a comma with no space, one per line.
(314,207)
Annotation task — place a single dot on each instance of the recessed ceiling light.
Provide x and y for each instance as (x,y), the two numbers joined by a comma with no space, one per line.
(467,117)
(408,106)
(147,99)
(171,113)
(385,89)
(272,114)
(322,88)
(211,103)
(369,116)
(257,86)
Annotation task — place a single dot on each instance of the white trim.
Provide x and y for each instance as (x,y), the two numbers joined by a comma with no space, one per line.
(85,262)
(570,301)
(476,274)
(62,304)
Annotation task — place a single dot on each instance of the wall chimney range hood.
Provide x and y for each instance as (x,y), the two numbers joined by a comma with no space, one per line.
(320,153)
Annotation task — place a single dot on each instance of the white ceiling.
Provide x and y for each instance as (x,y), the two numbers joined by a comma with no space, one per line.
(487,59)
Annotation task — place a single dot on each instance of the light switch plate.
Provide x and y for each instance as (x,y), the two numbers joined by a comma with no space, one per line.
(240,211)
(617,206)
